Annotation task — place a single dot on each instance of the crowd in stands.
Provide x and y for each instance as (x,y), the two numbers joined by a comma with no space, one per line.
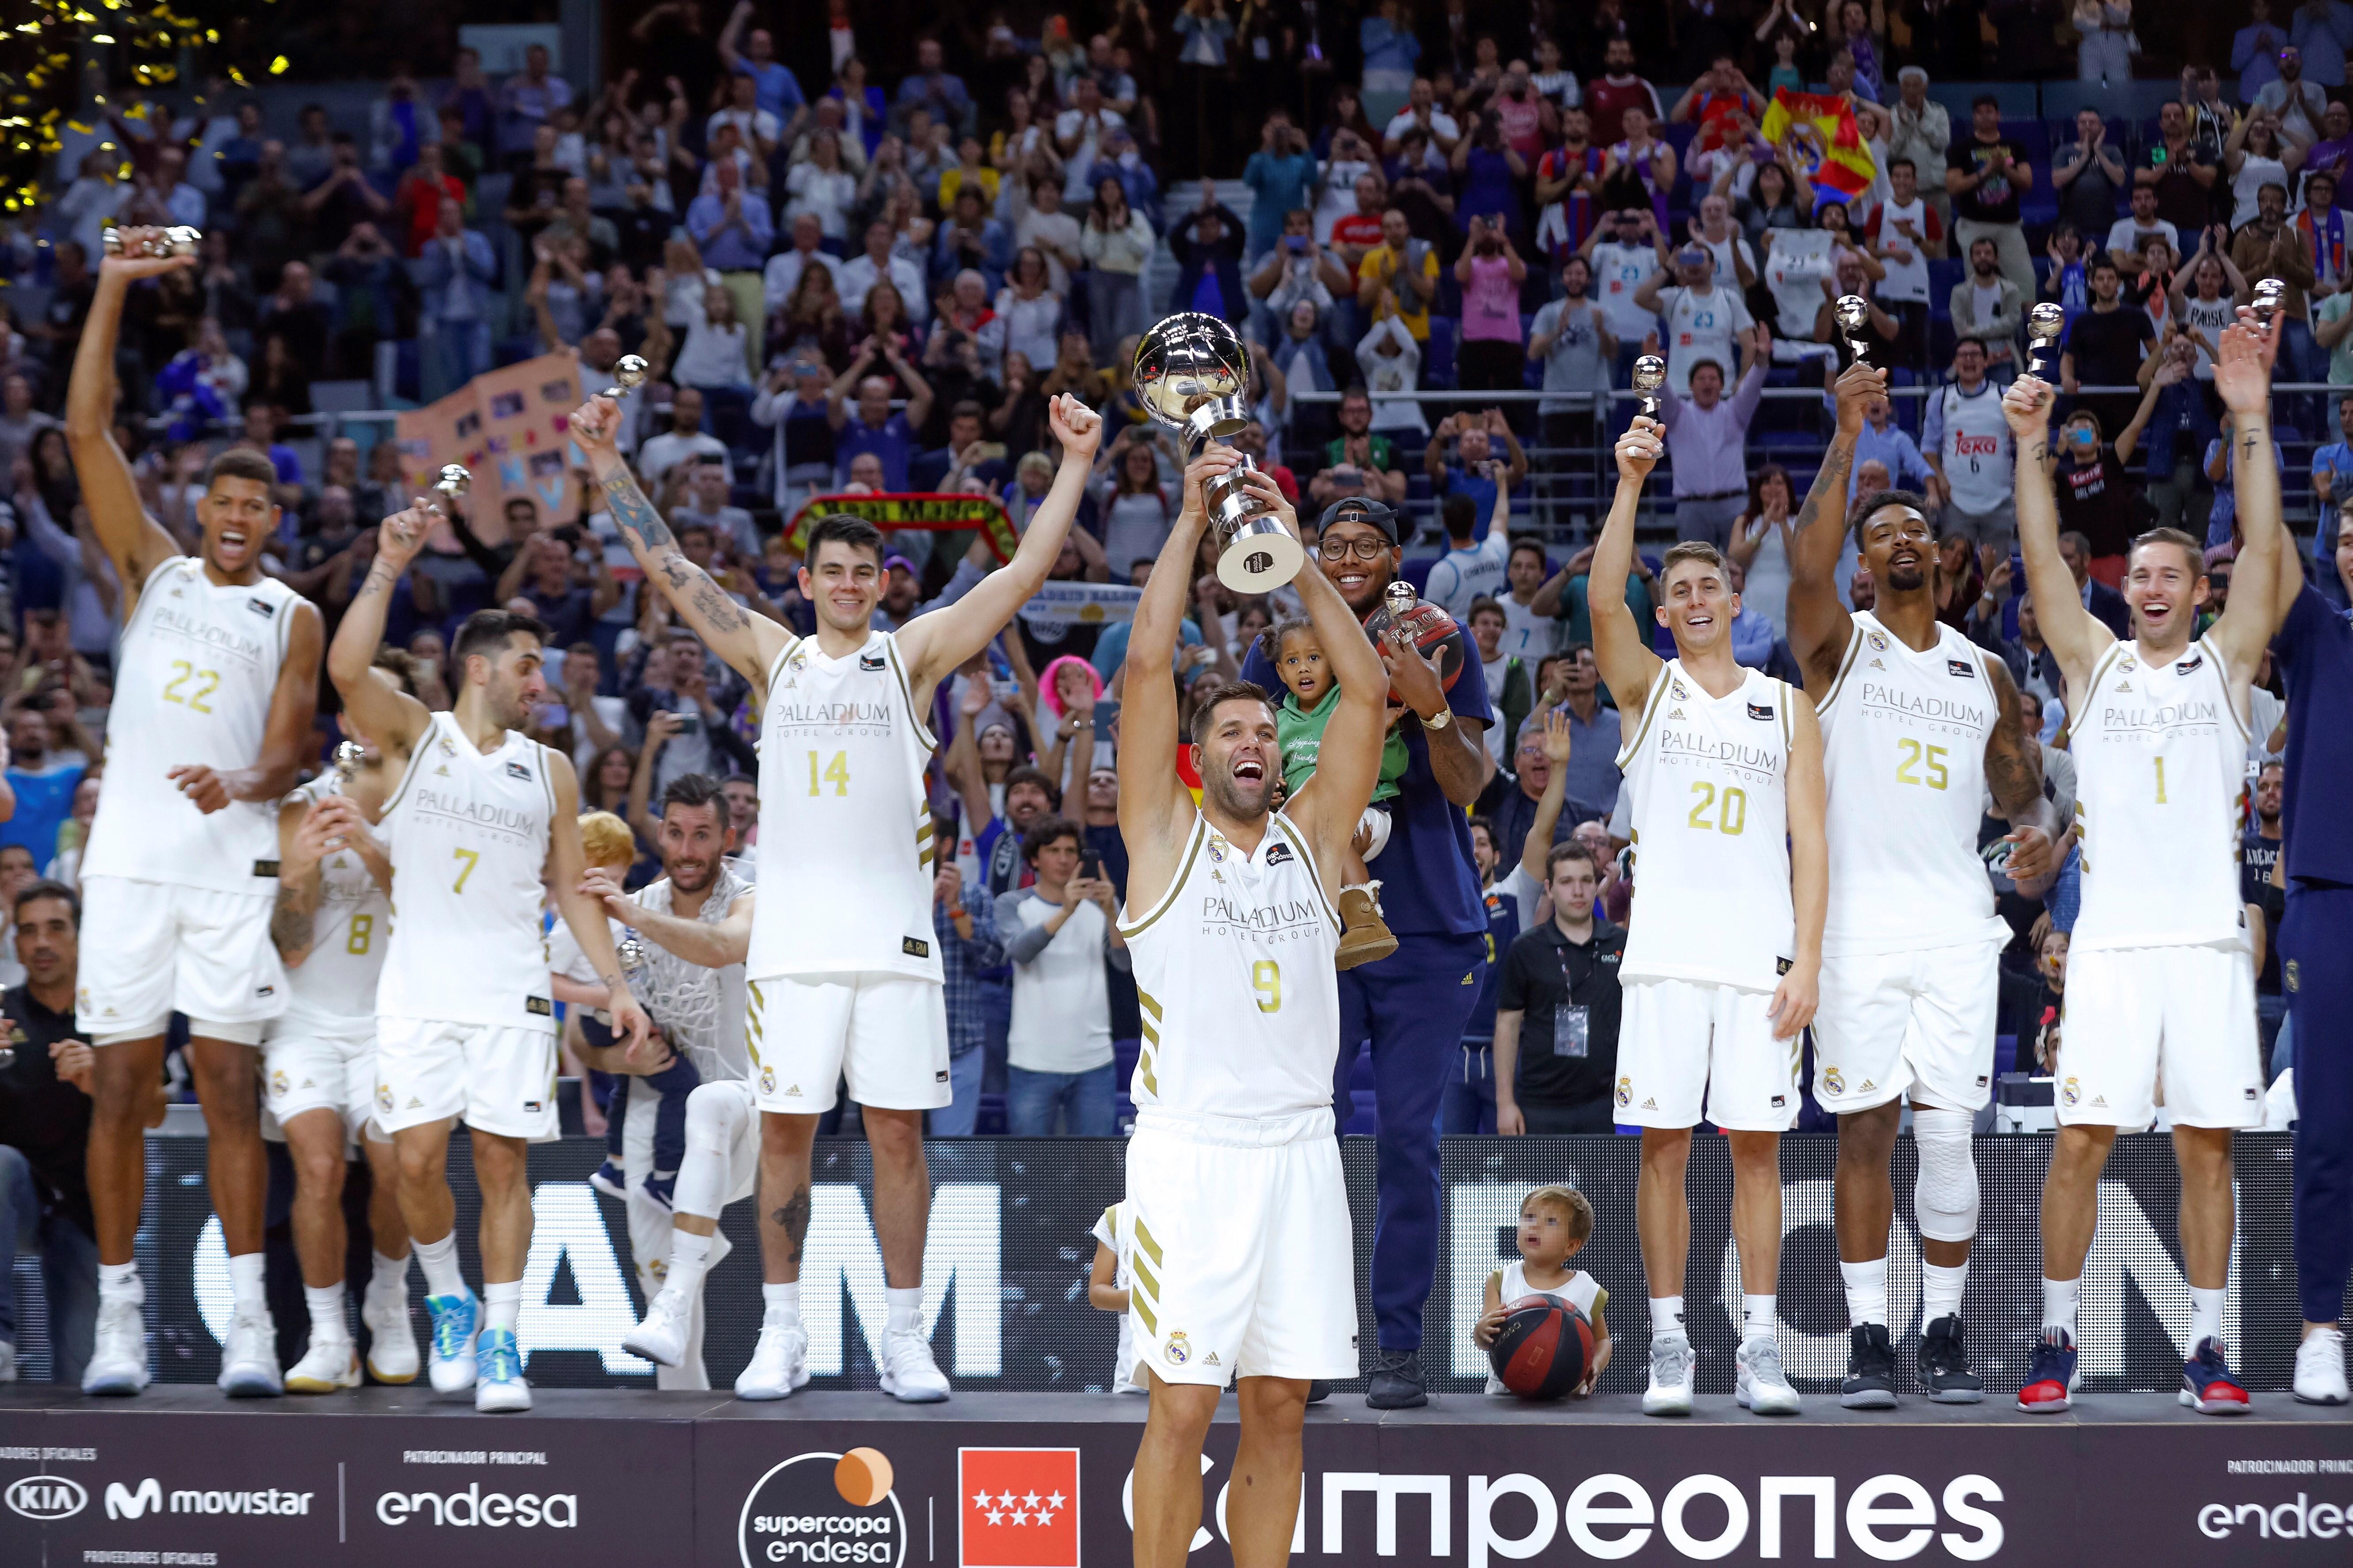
(1462,227)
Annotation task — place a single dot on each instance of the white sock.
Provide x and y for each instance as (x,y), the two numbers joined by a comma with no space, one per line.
(689,1259)
(2059,1300)
(780,1305)
(2205,1315)
(1866,1291)
(906,1309)
(390,1278)
(439,1261)
(1667,1315)
(1757,1320)
(1940,1289)
(501,1304)
(245,1282)
(119,1282)
(326,1304)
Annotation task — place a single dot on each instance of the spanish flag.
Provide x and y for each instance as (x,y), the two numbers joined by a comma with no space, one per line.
(1824,142)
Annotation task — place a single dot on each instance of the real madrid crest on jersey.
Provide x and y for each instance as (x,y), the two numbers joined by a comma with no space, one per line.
(1675,689)
(1878,641)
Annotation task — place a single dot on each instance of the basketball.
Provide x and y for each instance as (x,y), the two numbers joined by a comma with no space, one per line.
(1429,628)
(1543,1349)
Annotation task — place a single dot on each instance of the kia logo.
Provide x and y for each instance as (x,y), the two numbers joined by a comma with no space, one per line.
(47,1497)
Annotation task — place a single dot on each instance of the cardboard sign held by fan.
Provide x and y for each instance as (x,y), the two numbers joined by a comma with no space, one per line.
(508,427)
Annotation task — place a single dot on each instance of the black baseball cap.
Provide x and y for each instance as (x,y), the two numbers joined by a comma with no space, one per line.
(1360,508)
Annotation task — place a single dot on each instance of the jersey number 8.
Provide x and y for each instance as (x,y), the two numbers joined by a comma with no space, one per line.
(1731,815)
(363,932)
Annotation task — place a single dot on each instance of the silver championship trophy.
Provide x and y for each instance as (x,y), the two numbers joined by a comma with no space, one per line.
(454,482)
(2044,325)
(177,240)
(628,375)
(1853,314)
(350,756)
(1191,372)
(2267,301)
(1650,374)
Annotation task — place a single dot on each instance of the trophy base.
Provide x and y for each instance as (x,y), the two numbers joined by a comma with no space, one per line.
(1259,556)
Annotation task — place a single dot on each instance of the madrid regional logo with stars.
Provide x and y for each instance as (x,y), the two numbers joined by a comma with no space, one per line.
(1017,1508)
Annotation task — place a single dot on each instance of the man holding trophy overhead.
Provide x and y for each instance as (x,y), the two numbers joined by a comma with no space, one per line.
(1191,371)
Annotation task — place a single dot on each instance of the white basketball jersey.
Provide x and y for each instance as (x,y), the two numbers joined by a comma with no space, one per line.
(2161,764)
(1904,739)
(1117,1230)
(333,991)
(194,673)
(700,1011)
(1234,972)
(1583,1291)
(1711,825)
(846,836)
(1975,447)
(468,832)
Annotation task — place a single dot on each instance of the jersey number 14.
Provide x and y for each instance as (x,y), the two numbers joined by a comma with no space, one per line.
(837,773)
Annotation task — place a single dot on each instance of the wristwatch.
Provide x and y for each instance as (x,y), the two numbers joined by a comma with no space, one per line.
(1438,720)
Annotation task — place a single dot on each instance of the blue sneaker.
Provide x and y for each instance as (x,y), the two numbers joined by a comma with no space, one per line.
(498,1375)
(2051,1376)
(454,1318)
(661,1188)
(2208,1385)
(609,1180)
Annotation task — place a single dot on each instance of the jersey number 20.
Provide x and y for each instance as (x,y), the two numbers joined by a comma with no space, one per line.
(1731,815)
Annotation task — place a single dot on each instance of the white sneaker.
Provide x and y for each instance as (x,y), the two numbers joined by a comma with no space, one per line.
(1670,1392)
(1762,1387)
(2320,1368)
(498,1384)
(117,1359)
(455,1320)
(661,1338)
(779,1363)
(392,1339)
(909,1373)
(249,1360)
(328,1365)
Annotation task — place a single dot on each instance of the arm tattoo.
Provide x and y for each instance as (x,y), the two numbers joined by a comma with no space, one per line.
(289,921)
(2013,759)
(1837,463)
(794,1217)
(380,579)
(634,515)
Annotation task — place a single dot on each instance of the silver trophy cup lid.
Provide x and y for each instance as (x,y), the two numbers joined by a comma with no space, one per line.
(1190,360)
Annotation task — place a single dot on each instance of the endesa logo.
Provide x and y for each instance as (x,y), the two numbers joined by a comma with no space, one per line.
(47,1497)
(2302,1520)
(475,1509)
(824,1508)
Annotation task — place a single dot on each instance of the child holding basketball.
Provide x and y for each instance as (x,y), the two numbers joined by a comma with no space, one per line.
(1555,1224)
(1299,719)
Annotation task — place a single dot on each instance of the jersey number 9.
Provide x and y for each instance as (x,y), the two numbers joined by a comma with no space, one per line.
(1266,979)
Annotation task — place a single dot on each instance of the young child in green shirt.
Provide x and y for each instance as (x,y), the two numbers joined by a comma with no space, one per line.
(1307,707)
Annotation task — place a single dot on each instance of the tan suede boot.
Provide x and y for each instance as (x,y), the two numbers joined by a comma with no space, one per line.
(1364,938)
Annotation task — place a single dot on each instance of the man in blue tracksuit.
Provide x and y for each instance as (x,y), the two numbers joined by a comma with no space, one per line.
(1412,1005)
(2315,651)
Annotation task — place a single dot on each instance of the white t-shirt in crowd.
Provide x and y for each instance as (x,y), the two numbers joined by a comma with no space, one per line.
(1700,326)
(1618,271)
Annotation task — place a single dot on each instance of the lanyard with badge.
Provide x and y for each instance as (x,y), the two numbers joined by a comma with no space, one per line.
(1572,1022)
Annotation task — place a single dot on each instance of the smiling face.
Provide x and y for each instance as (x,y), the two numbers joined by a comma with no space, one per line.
(1236,757)
(2164,585)
(691,844)
(1699,603)
(1360,581)
(844,583)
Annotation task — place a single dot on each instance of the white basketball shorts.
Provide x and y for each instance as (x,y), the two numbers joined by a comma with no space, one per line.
(1920,1022)
(1244,1263)
(1679,1037)
(887,1033)
(305,1067)
(2139,1015)
(152,949)
(499,1080)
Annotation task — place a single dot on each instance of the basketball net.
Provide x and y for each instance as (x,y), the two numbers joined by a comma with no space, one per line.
(682,998)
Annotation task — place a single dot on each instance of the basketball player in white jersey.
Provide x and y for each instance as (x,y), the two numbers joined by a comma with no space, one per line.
(216,680)
(697,922)
(2160,971)
(844,969)
(1918,724)
(482,822)
(1243,1260)
(1723,952)
(332,927)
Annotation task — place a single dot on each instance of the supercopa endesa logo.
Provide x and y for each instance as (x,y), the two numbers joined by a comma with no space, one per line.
(824,1508)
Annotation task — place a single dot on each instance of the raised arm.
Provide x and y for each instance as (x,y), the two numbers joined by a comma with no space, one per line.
(1620,648)
(2071,630)
(1818,622)
(391,718)
(935,643)
(2242,375)
(1537,846)
(748,643)
(134,542)
(1794,999)
(1155,809)
(1349,764)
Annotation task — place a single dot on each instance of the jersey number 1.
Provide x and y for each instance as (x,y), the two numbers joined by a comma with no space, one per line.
(836,772)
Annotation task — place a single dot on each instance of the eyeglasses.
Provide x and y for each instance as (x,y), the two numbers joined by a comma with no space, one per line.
(1362,548)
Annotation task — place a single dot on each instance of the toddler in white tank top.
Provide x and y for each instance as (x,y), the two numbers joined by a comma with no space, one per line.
(1555,1225)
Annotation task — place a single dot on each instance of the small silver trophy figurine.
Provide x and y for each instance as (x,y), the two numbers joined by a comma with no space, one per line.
(1650,374)
(628,375)
(1191,373)
(1853,314)
(631,953)
(177,240)
(2267,301)
(2044,324)
(350,756)
(454,482)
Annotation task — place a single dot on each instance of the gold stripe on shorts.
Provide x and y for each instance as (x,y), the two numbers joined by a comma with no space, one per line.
(1144,1279)
(1143,1240)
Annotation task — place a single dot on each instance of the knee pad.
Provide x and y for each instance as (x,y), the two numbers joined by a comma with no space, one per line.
(712,1120)
(1945,1197)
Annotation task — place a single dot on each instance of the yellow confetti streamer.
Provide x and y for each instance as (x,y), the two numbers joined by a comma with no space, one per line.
(277,66)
